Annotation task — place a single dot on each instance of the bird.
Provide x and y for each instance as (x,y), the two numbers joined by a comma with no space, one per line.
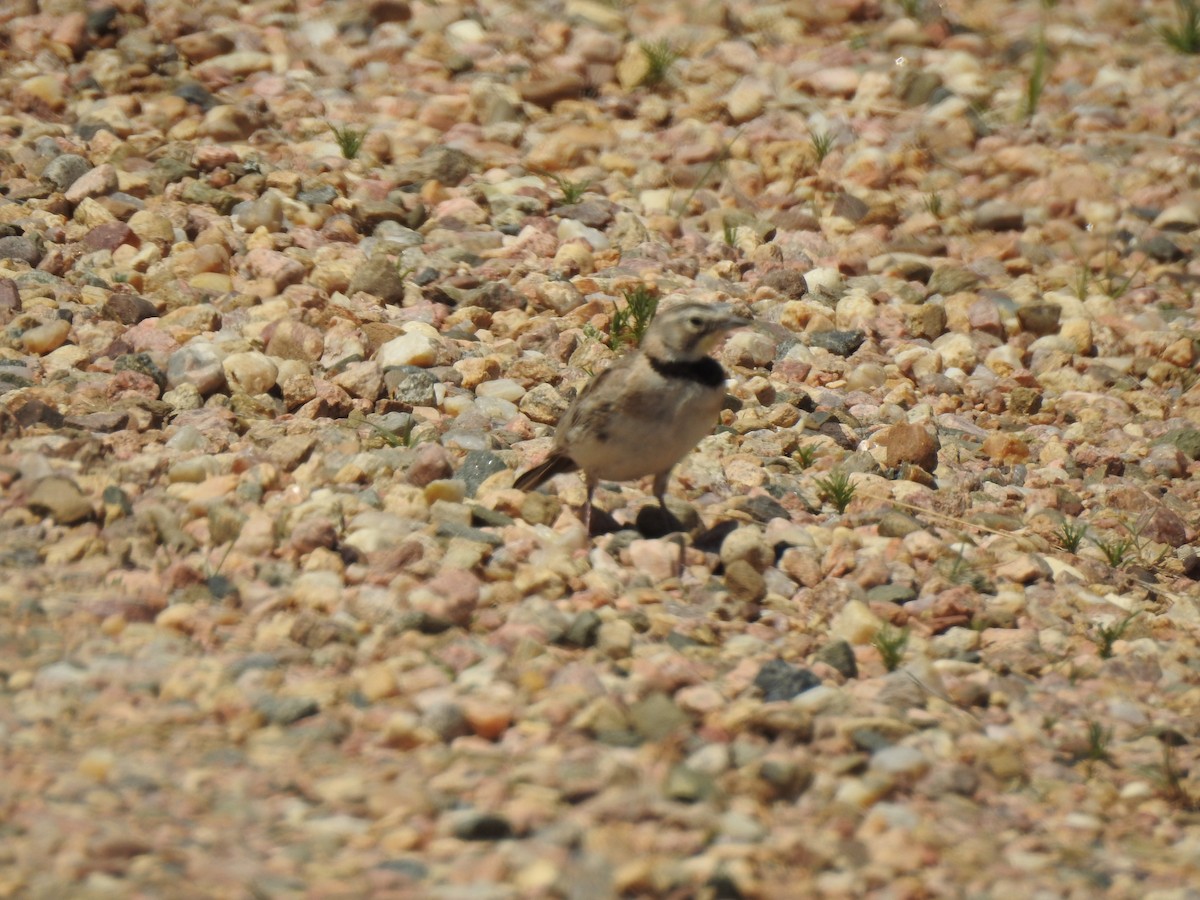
(646,411)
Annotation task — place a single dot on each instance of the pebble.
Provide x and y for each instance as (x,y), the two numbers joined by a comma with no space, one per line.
(20,248)
(95,182)
(61,499)
(42,339)
(65,169)
(251,372)
(412,349)
(914,444)
(779,680)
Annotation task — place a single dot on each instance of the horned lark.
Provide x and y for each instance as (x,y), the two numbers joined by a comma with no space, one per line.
(648,409)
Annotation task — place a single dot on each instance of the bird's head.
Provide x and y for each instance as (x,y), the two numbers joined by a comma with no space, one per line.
(690,331)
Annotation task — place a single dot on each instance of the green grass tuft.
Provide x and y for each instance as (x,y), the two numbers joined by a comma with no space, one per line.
(349,140)
(1184,36)
(660,57)
(837,489)
(1117,550)
(1107,635)
(630,322)
(805,455)
(822,144)
(890,642)
(1070,535)
(1037,76)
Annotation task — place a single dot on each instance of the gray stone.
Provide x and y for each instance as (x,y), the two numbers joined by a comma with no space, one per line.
(381,278)
(839,655)
(839,343)
(265,212)
(583,628)
(142,363)
(1187,440)
(1039,318)
(1162,248)
(318,194)
(20,248)
(688,786)
(411,386)
(286,710)
(204,194)
(948,280)
(779,680)
(63,171)
(476,826)
(478,467)
(198,364)
(447,721)
(656,716)
(892,593)
(442,164)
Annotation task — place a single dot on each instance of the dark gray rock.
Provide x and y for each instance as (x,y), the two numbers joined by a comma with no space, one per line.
(1039,318)
(411,385)
(63,171)
(1162,248)
(779,680)
(840,656)
(20,248)
(582,630)
(478,467)
(839,343)
(476,826)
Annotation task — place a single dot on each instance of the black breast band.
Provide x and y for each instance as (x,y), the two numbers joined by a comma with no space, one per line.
(706,371)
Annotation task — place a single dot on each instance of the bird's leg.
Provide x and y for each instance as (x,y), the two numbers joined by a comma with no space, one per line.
(661,480)
(587,504)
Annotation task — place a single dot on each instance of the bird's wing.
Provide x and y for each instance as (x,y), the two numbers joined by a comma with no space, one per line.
(557,464)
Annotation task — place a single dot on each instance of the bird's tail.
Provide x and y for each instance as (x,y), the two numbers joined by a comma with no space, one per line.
(557,464)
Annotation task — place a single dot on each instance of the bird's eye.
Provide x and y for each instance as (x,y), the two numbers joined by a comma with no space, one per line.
(696,322)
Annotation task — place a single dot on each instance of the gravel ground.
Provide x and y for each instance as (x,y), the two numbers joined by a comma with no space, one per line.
(274,621)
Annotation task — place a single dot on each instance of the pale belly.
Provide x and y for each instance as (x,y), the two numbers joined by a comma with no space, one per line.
(630,447)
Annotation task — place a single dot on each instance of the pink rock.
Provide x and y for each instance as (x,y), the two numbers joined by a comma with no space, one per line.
(211,156)
(1023,569)
(148,337)
(71,31)
(294,340)
(97,182)
(363,379)
(274,266)
(329,402)
(431,463)
(983,315)
(461,208)
(110,236)
(450,596)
